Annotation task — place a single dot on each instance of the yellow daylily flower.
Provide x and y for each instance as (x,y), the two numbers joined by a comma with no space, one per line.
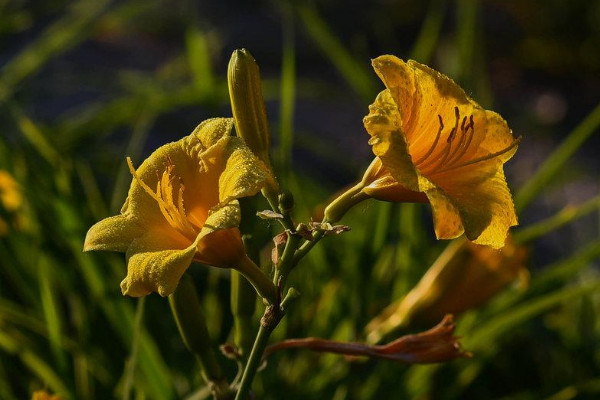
(433,143)
(11,198)
(182,207)
(43,395)
(463,277)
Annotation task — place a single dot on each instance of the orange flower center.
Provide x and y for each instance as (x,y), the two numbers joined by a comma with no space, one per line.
(169,196)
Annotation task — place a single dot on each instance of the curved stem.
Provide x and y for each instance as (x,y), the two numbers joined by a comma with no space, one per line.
(259,280)
(351,197)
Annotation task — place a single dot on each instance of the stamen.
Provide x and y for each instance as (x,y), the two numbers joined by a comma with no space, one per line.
(484,158)
(431,161)
(471,126)
(460,149)
(455,129)
(174,215)
(435,142)
(142,184)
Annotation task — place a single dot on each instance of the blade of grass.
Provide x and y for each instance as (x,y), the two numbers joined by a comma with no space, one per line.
(156,375)
(564,270)
(35,364)
(14,274)
(62,35)
(563,217)
(549,277)
(356,74)
(198,54)
(5,385)
(130,364)
(34,135)
(466,14)
(589,387)
(37,138)
(471,51)
(485,340)
(430,32)
(101,119)
(288,91)
(52,314)
(557,159)
(118,312)
(133,150)
(384,212)
(91,190)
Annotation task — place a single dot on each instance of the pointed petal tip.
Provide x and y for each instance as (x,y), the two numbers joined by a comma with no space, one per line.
(132,290)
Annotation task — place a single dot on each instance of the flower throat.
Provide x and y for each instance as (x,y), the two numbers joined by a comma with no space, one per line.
(449,158)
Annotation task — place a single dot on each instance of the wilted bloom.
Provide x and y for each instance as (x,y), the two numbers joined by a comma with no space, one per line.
(438,344)
(182,207)
(463,277)
(433,143)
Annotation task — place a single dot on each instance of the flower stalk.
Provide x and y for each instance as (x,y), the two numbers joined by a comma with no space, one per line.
(190,320)
(243,304)
(259,280)
(269,321)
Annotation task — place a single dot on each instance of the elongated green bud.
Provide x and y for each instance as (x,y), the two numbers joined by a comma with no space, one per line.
(249,114)
(190,320)
(247,103)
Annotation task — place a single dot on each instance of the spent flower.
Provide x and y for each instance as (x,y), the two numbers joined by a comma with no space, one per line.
(463,277)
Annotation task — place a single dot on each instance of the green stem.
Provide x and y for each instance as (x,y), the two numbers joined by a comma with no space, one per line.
(287,259)
(351,197)
(271,318)
(191,323)
(259,280)
(260,344)
(307,246)
(243,304)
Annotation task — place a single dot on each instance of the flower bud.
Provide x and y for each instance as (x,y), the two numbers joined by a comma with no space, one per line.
(250,116)
(286,202)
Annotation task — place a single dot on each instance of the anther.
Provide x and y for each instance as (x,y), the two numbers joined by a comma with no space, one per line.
(453,131)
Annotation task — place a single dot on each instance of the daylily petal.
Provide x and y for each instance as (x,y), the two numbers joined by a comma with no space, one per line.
(224,217)
(244,174)
(112,234)
(446,216)
(155,263)
(384,125)
(221,248)
(483,201)
(209,132)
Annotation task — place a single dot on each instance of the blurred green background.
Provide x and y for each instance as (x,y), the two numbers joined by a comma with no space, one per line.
(83,84)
